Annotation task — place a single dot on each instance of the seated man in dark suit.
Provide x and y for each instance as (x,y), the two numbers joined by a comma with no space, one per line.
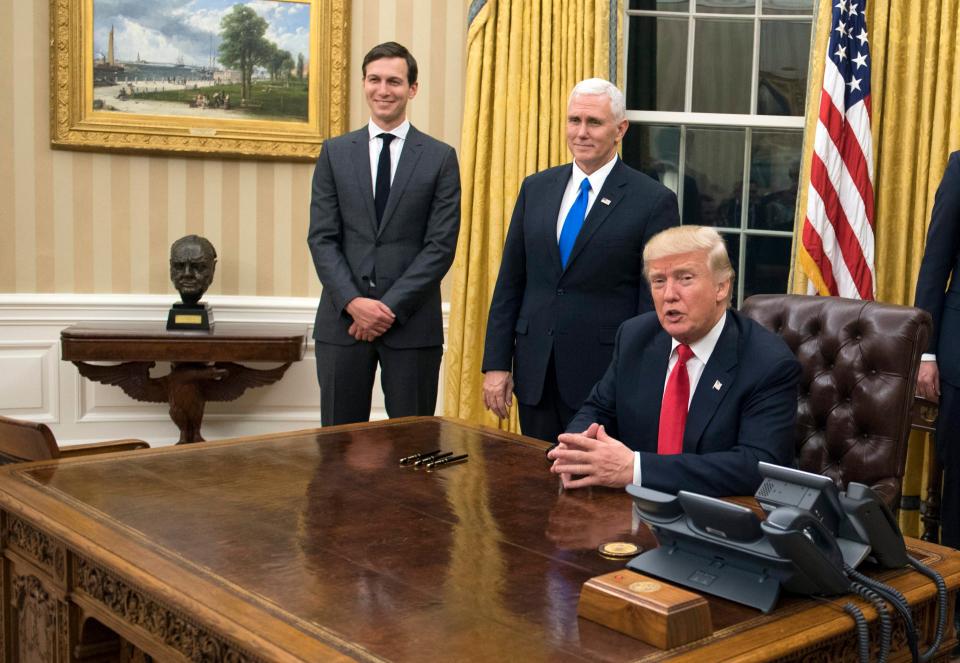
(697,392)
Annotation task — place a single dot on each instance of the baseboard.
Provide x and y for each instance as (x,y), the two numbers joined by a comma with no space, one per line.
(36,385)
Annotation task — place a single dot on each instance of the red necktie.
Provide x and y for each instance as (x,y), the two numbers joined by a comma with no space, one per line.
(673,410)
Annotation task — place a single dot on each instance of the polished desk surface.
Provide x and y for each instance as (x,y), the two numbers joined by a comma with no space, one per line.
(317,544)
(151,341)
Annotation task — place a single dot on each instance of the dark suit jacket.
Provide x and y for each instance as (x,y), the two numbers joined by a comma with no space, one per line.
(743,410)
(539,307)
(400,263)
(938,289)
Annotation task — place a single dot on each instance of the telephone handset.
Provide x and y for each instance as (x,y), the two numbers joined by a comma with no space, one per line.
(870,520)
(798,536)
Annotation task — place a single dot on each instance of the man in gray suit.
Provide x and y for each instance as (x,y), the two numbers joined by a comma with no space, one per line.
(384,218)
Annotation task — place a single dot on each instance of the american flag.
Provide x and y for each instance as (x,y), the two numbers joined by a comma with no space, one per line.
(837,250)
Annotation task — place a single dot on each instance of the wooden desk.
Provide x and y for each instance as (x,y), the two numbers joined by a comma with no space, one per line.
(316,545)
(203,364)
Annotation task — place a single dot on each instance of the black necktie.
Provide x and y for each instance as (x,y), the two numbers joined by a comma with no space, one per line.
(382,190)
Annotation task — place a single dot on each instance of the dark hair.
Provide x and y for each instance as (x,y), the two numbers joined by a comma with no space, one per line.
(391,49)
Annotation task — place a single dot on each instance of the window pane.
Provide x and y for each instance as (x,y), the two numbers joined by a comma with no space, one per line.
(767,265)
(714,168)
(657,63)
(733,250)
(661,5)
(655,151)
(774,171)
(782,83)
(723,55)
(804,7)
(726,6)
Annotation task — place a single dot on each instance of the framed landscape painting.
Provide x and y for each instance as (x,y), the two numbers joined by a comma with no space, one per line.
(248,78)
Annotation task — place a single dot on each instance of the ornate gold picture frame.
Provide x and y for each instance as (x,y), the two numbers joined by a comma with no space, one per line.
(126,76)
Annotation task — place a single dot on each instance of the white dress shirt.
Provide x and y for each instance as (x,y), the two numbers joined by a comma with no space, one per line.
(376,144)
(702,350)
(597,178)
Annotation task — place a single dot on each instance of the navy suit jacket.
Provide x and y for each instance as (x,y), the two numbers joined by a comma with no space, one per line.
(938,289)
(539,307)
(400,262)
(743,410)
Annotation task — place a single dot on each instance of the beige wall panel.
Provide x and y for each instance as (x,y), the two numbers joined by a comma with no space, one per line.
(101,252)
(246,252)
(8,248)
(139,222)
(104,222)
(20,109)
(83,223)
(60,236)
(176,200)
(119,225)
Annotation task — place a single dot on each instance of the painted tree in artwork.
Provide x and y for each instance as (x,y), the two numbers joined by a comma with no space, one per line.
(243,45)
(300,66)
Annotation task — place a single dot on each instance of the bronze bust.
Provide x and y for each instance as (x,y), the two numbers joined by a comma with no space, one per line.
(192,263)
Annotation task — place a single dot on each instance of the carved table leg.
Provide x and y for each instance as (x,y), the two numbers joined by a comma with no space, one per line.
(185,391)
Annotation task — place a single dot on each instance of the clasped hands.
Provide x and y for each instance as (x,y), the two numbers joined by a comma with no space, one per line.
(371,318)
(593,457)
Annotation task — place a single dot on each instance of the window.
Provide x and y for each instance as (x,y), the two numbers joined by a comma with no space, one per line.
(716,91)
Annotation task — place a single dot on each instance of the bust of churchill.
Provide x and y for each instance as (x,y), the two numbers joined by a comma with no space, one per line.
(192,263)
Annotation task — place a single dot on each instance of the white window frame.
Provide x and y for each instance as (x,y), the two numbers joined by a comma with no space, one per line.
(746,121)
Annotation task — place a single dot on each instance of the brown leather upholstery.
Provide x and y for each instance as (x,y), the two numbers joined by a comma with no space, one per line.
(859,363)
(22,441)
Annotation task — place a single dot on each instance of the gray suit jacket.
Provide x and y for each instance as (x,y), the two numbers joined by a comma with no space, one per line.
(400,263)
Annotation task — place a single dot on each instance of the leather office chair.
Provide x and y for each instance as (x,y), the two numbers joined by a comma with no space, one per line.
(22,441)
(859,363)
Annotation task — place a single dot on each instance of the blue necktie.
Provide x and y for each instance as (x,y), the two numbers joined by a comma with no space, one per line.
(573,222)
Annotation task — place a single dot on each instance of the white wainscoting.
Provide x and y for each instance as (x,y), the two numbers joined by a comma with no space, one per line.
(36,385)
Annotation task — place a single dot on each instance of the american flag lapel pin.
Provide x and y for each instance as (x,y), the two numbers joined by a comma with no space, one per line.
(605,201)
(717,385)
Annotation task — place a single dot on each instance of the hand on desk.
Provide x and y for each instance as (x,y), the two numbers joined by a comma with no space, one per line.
(597,458)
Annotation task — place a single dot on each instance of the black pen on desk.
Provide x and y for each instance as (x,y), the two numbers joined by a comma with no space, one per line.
(447,461)
(406,460)
(430,459)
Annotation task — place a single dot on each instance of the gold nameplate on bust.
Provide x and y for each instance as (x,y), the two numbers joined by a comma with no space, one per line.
(187,319)
(644,608)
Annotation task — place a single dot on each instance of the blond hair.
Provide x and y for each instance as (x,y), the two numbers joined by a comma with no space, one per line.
(685,239)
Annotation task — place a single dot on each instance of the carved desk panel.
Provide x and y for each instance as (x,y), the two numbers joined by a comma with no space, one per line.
(316,545)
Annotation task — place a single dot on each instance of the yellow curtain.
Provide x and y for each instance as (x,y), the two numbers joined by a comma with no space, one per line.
(523,57)
(915,94)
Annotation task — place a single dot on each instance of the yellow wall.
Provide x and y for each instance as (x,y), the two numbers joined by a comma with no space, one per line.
(102,223)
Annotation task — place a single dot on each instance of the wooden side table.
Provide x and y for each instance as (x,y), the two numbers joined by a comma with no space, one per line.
(204,365)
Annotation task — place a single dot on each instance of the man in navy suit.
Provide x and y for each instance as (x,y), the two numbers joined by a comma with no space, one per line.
(384,218)
(572,269)
(938,292)
(697,393)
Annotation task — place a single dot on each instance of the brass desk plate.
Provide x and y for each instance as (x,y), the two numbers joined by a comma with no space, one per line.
(645,608)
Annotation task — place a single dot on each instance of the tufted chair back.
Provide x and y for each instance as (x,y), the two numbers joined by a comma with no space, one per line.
(859,363)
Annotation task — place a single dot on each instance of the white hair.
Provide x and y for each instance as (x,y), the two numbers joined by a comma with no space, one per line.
(591,86)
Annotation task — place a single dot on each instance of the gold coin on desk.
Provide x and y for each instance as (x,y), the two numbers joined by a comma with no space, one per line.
(619,549)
